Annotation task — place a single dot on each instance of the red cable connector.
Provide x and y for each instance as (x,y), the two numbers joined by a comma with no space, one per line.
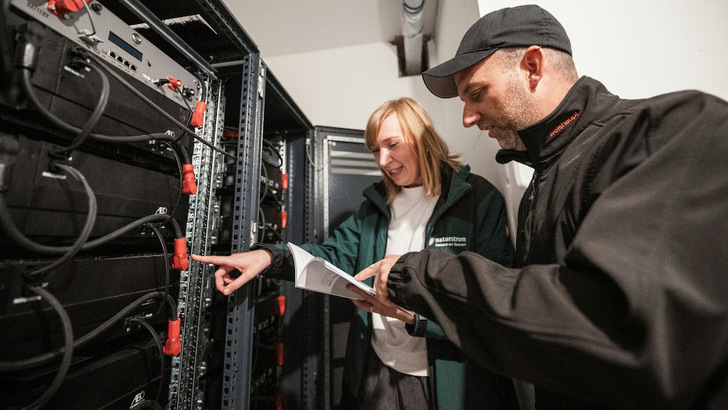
(173,345)
(189,186)
(284,181)
(281,305)
(180,261)
(63,7)
(198,117)
(284,219)
(174,83)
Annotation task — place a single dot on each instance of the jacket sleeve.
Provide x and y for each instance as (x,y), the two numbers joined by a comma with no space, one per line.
(341,249)
(490,235)
(635,315)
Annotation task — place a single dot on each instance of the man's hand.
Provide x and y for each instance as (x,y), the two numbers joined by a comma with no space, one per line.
(380,271)
(372,305)
(249,264)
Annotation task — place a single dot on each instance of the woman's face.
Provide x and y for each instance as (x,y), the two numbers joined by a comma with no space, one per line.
(395,156)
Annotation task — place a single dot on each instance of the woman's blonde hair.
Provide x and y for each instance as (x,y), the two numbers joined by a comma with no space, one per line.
(430,149)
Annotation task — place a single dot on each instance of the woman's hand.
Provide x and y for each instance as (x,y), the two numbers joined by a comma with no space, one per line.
(380,303)
(249,264)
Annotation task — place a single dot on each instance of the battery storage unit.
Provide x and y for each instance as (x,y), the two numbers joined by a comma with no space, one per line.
(134,133)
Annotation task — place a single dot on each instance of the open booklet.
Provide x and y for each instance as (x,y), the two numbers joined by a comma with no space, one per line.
(321,276)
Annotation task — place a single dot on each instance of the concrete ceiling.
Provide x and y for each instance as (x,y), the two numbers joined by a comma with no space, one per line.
(283,27)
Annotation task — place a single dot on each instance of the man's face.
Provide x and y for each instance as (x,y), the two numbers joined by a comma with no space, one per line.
(496,99)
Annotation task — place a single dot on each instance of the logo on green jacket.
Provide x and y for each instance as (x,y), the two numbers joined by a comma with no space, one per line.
(448,242)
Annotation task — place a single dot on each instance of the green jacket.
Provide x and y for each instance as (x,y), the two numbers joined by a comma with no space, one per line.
(469,216)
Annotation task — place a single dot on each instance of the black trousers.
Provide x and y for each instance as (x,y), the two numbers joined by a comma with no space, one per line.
(387,389)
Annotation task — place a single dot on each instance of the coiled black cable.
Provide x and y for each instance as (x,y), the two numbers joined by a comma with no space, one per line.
(158,342)
(7,366)
(20,239)
(154,106)
(67,349)
(95,115)
(26,84)
(87,227)
(166,267)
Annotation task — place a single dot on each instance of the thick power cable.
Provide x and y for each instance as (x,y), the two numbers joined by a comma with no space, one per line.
(26,83)
(166,270)
(158,342)
(8,366)
(20,239)
(67,350)
(95,115)
(154,106)
(87,228)
(26,61)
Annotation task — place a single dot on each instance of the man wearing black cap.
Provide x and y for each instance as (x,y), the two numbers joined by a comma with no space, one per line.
(621,300)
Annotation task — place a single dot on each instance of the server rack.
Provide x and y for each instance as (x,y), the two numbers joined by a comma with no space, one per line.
(246,110)
(262,173)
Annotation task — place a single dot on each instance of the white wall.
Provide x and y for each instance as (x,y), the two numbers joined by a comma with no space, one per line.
(342,87)
(637,48)
(640,48)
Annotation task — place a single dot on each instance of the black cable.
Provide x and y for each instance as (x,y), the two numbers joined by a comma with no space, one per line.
(181,174)
(261,215)
(274,149)
(166,266)
(6,49)
(184,100)
(67,349)
(8,366)
(26,67)
(95,115)
(203,96)
(87,228)
(158,341)
(265,182)
(25,82)
(154,106)
(172,308)
(23,241)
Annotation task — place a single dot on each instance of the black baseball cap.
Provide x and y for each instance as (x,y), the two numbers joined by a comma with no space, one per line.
(520,26)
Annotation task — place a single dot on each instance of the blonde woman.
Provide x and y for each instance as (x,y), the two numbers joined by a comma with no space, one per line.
(427,199)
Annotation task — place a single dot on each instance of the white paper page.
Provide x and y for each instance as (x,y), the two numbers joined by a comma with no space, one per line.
(319,275)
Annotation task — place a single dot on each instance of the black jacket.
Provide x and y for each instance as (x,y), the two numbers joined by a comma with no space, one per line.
(621,300)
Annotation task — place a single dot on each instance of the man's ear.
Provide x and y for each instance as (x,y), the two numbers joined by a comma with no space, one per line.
(532,63)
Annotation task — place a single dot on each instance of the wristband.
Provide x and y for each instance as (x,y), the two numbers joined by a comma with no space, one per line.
(419,328)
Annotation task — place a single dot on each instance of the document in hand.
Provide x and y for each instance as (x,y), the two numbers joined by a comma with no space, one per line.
(319,275)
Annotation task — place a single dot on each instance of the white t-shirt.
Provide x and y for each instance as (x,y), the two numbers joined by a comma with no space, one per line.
(411,209)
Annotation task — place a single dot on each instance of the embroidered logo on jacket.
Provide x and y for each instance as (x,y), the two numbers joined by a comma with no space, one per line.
(449,241)
(563,124)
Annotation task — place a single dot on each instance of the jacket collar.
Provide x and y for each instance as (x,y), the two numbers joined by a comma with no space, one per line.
(454,186)
(545,140)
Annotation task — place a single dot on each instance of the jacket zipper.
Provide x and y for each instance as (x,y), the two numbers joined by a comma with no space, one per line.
(528,220)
